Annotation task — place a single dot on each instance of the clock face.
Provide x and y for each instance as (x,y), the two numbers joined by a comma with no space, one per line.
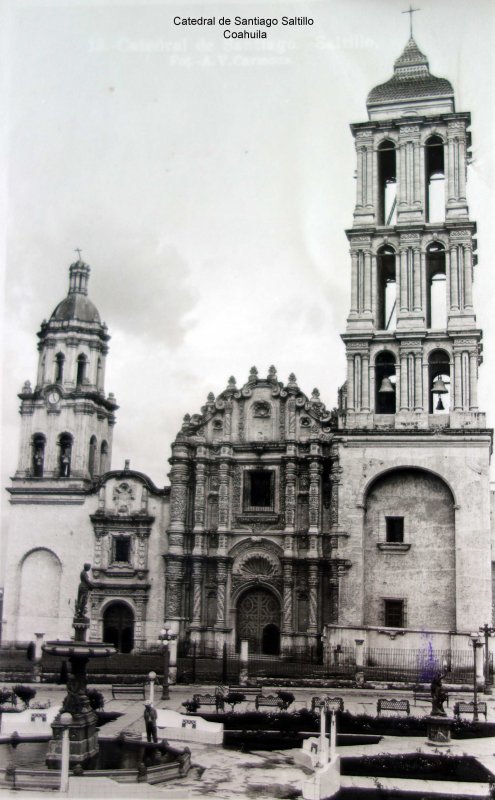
(53,397)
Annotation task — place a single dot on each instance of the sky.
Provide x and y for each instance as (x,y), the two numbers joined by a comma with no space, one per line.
(209,183)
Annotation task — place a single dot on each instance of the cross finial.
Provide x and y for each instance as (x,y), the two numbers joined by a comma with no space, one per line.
(411,11)
(78,251)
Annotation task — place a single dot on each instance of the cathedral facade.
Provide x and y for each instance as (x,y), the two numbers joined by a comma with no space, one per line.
(285,523)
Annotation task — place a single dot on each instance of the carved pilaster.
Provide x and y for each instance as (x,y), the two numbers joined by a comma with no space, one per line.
(290,495)
(221,592)
(199,497)
(173,587)
(179,478)
(223,495)
(197,576)
(287,613)
(313,598)
(314,495)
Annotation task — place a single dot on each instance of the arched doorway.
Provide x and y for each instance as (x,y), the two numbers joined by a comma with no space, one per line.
(118,627)
(258,621)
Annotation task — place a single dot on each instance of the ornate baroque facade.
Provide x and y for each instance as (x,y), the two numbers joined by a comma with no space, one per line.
(284,523)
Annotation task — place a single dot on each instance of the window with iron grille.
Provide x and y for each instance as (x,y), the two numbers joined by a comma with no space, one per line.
(122,549)
(394,613)
(394,529)
(259,490)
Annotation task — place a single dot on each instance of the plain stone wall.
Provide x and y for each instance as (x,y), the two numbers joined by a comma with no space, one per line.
(425,574)
(462,462)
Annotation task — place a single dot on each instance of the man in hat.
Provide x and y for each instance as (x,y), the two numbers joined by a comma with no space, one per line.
(150,722)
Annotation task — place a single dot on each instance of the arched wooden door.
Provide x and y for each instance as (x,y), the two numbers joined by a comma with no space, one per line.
(118,627)
(258,621)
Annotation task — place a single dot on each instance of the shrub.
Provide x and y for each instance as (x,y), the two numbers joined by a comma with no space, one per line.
(25,693)
(234,698)
(191,706)
(287,698)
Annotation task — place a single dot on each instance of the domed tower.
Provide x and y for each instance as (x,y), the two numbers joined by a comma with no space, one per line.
(67,421)
(413,347)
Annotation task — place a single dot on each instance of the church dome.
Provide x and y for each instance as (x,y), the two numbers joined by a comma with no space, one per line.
(77,305)
(411,80)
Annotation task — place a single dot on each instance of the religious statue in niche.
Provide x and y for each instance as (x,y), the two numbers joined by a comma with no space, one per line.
(123,498)
(261,409)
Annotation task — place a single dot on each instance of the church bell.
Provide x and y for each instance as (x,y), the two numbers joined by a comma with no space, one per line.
(439,386)
(387,386)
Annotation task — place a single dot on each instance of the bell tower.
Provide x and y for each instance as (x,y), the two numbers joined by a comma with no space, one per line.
(412,345)
(67,420)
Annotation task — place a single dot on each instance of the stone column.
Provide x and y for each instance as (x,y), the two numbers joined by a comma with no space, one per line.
(287,613)
(179,479)
(417,305)
(454,279)
(354,282)
(365,383)
(359,661)
(350,382)
(418,382)
(403,280)
(403,383)
(473,382)
(468,277)
(367,281)
(221,593)
(313,598)
(457,381)
(223,495)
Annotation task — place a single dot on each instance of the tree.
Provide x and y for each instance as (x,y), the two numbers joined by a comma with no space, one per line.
(287,698)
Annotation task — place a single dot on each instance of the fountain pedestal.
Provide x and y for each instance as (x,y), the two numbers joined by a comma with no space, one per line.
(83,735)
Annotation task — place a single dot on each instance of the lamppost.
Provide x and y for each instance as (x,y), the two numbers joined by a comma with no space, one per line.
(487,631)
(165,637)
(152,678)
(65,720)
(476,643)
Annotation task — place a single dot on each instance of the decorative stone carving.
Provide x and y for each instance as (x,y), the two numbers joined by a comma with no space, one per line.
(123,498)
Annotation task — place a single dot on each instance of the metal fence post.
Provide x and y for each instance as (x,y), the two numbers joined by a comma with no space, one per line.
(193,676)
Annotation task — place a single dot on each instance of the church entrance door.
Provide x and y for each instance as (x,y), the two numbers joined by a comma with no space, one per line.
(258,621)
(118,627)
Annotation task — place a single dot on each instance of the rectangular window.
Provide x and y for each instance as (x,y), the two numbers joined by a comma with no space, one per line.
(259,490)
(122,549)
(394,530)
(394,613)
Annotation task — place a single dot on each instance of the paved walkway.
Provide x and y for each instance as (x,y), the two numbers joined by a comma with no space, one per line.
(233,775)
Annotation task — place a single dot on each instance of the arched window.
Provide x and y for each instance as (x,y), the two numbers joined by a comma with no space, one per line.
(59,367)
(38,461)
(439,382)
(81,369)
(387,184)
(92,456)
(434,180)
(436,299)
(103,457)
(386,297)
(65,455)
(385,383)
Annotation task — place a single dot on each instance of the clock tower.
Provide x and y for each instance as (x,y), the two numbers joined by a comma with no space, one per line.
(67,420)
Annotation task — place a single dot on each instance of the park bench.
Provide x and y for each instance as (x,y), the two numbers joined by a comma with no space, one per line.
(269,700)
(128,690)
(468,707)
(420,694)
(250,692)
(332,703)
(392,705)
(216,700)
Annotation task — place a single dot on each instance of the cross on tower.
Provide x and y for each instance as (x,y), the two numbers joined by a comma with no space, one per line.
(78,251)
(410,11)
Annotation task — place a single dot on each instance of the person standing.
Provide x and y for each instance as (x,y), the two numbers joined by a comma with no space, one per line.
(150,722)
